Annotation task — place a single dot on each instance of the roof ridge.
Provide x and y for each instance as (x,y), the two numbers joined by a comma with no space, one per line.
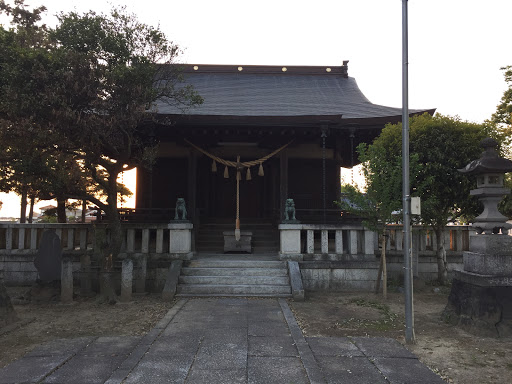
(268,69)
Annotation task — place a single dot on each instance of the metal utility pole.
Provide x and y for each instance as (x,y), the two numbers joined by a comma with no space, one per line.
(409,310)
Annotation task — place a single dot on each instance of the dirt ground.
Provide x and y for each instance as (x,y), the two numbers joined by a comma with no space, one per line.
(40,323)
(457,356)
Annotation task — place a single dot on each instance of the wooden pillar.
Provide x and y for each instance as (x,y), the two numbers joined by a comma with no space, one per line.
(337,181)
(283,184)
(150,189)
(192,192)
(192,184)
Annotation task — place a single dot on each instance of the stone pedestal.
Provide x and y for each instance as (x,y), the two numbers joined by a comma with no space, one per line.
(242,245)
(482,305)
(290,242)
(180,240)
(480,300)
(490,255)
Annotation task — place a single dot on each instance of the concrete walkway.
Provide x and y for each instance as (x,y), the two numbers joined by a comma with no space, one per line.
(221,340)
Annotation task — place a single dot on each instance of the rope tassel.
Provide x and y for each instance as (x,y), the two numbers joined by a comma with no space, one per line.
(226,173)
(214,166)
(248,176)
(260,171)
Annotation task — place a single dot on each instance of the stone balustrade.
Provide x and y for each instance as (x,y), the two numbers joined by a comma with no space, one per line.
(300,240)
(138,239)
(141,242)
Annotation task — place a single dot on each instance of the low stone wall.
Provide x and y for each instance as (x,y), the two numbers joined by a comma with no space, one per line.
(359,272)
(425,267)
(339,275)
(18,269)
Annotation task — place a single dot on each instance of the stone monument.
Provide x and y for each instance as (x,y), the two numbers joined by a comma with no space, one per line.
(48,261)
(481,296)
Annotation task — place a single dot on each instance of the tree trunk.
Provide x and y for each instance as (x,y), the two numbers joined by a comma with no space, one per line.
(31,210)
(442,272)
(383,272)
(384,269)
(61,211)
(113,243)
(23,212)
(84,210)
(107,291)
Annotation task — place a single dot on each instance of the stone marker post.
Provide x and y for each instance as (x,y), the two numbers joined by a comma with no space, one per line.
(66,281)
(126,280)
(140,282)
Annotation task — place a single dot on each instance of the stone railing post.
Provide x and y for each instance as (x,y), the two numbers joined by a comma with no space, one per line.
(33,238)
(310,243)
(8,238)
(399,239)
(325,241)
(339,242)
(352,242)
(290,242)
(159,248)
(21,238)
(369,242)
(130,240)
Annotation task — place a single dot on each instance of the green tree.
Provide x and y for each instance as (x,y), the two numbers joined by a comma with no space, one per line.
(116,69)
(503,120)
(383,193)
(22,55)
(84,92)
(441,146)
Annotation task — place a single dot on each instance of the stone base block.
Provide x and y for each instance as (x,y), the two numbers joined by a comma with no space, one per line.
(491,244)
(488,264)
(242,245)
(181,256)
(480,310)
(291,256)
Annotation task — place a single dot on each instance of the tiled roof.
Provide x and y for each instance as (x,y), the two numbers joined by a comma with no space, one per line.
(274,91)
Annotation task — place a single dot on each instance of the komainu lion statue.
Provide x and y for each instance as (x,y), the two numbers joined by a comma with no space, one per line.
(181,210)
(289,211)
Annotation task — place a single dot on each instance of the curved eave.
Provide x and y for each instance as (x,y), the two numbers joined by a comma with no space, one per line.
(334,121)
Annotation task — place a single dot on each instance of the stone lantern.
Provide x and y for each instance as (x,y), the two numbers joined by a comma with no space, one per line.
(490,170)
(481,296)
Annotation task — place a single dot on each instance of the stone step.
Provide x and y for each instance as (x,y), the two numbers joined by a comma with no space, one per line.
(234,272)
(226,263)
(283,295)
(242,289)
(235,280)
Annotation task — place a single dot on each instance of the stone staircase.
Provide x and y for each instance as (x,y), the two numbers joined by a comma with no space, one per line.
(234,275)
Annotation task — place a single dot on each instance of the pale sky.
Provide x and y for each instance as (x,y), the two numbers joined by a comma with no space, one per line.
(456,47)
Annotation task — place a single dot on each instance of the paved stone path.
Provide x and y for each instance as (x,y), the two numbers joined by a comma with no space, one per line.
(221,340)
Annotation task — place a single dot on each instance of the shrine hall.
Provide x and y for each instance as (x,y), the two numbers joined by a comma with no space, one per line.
(263,135)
